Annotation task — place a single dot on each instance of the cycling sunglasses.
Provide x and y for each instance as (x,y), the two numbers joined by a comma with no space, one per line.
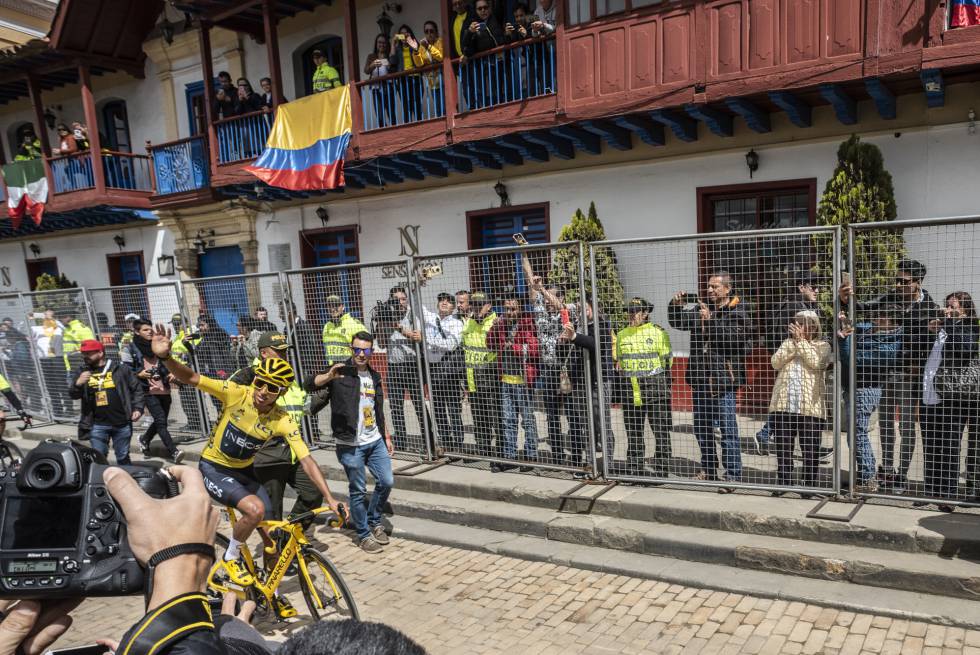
(367,352)
(268,386)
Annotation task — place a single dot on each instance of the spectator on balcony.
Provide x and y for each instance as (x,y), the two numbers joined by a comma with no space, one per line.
(429,52)
(377,66)
(67,143)
(224,103)
(266,95)
(484,34)
(545,14)
(80,132)
(403,49)
(463,15)
(247,99)
(30,148)
(520,28)
(325,77)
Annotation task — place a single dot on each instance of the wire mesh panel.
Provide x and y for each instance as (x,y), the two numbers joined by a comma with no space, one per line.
(332,304)
(912,340)
(159,304)
(228,314)
(18,361)
(58,321)
(717,360)
(507,382)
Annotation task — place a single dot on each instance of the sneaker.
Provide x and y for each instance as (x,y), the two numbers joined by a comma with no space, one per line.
(761,447)
(496,467)
(379,534)
(284,609)
(370,545)
(178,456)
(237,573)
(866,487)
(900,484)
(144,447)
(825,453)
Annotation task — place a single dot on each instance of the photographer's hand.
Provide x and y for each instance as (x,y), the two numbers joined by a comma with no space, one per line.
(30,627)
(158,524)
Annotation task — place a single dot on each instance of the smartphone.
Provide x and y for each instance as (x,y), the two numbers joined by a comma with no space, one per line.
(564,316)
(519,239)
(94,649)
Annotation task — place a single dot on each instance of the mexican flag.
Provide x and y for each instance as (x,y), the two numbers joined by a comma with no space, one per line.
(27,190)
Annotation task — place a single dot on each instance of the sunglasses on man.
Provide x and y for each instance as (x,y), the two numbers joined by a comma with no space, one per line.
(367,352)
(261,385)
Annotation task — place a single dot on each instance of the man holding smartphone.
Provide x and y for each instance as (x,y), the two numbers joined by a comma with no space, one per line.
(356,396)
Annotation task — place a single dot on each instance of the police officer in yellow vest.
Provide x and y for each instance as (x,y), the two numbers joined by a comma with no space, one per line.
(325,77)
(15,403)
(482,376)
(339,330)
(274,464)
(183,345)
(643,356)
(74,333)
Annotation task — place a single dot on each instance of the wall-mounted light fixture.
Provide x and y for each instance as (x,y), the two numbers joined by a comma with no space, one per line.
(167,29)
(120,241)
(323,215)
(35,249)
(384,20)
(165,265)
(752,161)
(501,190)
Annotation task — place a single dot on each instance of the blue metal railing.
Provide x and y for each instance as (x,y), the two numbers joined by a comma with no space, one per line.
(241,138)
(181,166)
(402,98)
(72,172)
(124,170)
(514,72)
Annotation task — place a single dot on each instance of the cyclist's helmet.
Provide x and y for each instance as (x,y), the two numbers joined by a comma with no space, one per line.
(275,371)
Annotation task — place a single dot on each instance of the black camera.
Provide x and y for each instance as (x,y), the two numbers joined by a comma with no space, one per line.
(62,535)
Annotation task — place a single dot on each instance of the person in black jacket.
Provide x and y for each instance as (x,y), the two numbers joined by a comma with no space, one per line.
(719,330)
(112,398)
(356,397)
(482,34)
(213,351)
(155,382)
(902,389)
(944,413)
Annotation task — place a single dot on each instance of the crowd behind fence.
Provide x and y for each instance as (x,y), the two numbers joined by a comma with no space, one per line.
(810,361)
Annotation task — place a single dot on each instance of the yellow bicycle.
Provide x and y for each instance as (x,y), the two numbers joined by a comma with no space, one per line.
(322,585)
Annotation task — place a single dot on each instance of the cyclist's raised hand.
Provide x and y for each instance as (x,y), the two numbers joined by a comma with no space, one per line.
(161,341)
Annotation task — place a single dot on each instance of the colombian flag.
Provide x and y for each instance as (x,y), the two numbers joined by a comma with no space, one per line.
(305,150)
(964,13)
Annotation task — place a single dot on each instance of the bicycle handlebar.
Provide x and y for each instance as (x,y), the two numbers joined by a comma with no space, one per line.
(305,516)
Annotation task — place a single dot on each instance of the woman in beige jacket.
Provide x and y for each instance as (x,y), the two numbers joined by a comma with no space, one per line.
(797,406)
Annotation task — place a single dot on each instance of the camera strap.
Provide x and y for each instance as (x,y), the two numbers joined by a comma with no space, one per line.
(169,553)
(168,624)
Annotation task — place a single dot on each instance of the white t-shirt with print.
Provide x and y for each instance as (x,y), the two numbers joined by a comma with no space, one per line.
(367,425)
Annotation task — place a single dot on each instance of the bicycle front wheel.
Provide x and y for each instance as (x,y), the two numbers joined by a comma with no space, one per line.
(324,589)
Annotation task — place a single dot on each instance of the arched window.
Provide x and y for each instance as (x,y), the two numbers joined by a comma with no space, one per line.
(115,126)
(332,47)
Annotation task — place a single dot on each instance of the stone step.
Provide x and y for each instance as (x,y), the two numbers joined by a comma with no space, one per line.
(909,605)
(857,565)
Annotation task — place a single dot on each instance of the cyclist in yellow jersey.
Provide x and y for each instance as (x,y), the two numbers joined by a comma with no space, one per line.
(250,417)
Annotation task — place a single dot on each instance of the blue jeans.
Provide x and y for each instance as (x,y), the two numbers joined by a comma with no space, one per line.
(517,399)
(377,460)
(709,410)
(866,399)
(120,435)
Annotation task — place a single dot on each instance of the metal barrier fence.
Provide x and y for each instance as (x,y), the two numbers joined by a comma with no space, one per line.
(404,97)
(59,321)
(914,377)
(160,304)
(329,306)
(18,360)
(705,338)
(491,326)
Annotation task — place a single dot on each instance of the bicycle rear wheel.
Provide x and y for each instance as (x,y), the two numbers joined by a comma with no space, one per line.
(324,590)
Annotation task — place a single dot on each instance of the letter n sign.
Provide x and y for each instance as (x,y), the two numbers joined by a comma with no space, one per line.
(410,240)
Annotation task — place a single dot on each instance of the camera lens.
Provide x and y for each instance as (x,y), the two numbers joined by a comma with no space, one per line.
(44,474)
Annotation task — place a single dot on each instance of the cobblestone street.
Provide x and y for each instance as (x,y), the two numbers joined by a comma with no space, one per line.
(459,601)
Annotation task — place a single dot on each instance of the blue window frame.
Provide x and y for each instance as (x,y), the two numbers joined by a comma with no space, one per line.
(496,229)
(331,247)
(226,300)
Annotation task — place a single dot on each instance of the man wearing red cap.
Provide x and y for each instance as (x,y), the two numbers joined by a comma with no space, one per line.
(112,398)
